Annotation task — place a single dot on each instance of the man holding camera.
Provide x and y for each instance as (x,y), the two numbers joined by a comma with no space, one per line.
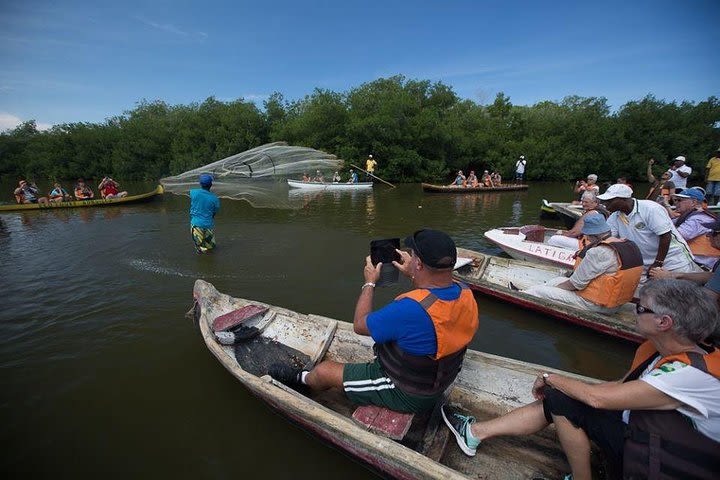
(420,338)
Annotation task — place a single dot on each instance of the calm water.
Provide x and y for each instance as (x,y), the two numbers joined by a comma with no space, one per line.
(102,375)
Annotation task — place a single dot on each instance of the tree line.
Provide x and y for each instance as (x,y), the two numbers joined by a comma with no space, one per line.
(417,130)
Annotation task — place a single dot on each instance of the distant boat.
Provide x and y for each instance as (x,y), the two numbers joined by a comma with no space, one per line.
(529,243)
(547,211)
(317,186)
(424,448)
(568,212)
(493,275)
(428,187)
(100,202)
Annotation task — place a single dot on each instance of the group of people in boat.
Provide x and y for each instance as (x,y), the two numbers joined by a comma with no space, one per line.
(663,415)
(487,179)
(319,177)
(27,192)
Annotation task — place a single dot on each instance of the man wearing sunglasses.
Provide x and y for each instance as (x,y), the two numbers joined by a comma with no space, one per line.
(689,223)
(662,420)
(420,338)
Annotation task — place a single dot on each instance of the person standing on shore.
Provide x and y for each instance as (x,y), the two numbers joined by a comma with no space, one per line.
(203,207)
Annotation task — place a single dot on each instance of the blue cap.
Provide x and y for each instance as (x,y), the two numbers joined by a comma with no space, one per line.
(693,193)
(595,224)
(206,180)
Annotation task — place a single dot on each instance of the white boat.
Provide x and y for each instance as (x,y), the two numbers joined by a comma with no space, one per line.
(529,243)
(318,186)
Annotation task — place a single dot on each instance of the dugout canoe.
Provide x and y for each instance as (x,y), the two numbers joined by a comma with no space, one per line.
(428,187)
(143,197)
(487,386)
(492,275)
(317,186)
(530,243)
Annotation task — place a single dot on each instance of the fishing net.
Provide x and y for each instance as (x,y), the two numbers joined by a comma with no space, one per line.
(258,175)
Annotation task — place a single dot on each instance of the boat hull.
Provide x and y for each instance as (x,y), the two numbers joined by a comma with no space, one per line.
(316,186)
(144,197)
(428,187)
(515,243)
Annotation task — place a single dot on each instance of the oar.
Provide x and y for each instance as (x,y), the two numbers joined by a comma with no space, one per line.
(387,183)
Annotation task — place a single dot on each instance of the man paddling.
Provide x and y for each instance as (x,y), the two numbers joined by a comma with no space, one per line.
(203,207)
(420,338)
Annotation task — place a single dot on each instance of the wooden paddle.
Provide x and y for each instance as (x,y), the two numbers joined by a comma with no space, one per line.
(365,171)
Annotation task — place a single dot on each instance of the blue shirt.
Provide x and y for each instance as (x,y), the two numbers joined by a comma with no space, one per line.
(404,321)
(203,207)
(354,177)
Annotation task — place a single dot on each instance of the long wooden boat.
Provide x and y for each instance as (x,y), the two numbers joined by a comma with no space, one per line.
(428,187)
(568,212)
(143,197)
(487,386)
(317,186)
(529,243)
(492,275)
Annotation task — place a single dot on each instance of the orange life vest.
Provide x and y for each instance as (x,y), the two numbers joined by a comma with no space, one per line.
(648,350)
(611,290)
(455,321)
(699,245)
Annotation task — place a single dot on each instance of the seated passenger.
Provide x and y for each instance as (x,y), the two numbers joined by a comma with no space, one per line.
(690,224)
(660,421)
(319,177)
(108,188)
(336,177)
(486,180)
(569,239)
(589,185)
(82,191)
(472,180)
(496,179)
(59,194)
(28,193)
(420,338)
(306,177)
(459,180)
(606,273)
(353,176)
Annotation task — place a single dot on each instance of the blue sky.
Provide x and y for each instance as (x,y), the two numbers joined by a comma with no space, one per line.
(84,61)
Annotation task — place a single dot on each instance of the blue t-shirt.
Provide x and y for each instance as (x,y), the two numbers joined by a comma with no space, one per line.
(404,321)
(203,207)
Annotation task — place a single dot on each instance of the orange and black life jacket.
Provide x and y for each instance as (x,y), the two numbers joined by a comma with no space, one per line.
(664,444)
(455,322)
(611,290)
(699,245)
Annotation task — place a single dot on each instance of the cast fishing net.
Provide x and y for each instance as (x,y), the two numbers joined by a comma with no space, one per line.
(258,175)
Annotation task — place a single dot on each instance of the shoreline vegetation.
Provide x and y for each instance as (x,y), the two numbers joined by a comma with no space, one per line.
(418,131)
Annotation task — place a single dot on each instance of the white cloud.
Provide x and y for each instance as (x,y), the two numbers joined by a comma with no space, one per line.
(170,28)
(8,121)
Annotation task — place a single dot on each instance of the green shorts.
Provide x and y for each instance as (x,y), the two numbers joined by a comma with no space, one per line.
(367,384)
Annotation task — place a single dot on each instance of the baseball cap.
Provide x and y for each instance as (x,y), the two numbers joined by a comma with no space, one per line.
(595,224)
(680,158)
(619,190)
(434,248)
(693,193)
(206,179)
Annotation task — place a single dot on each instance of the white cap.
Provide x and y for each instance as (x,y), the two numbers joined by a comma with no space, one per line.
(522,157)
(619,190)
(369,156)
(680,158)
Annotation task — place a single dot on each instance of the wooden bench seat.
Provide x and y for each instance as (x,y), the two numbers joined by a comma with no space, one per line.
(384,421)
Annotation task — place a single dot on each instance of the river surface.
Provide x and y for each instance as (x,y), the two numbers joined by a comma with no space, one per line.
(102,375)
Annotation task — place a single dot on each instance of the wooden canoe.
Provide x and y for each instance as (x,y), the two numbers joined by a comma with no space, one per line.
(487,386)
(318,186)
(529,243)
(492,275)
(428,187)
(143,197)
(547,211)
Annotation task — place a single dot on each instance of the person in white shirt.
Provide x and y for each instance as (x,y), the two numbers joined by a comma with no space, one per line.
(648,225)
(663,415)
(680,172)
(520,169)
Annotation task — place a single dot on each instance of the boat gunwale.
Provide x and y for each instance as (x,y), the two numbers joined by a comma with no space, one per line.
(429,187)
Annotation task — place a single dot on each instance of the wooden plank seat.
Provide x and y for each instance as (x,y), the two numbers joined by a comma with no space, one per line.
(384,421)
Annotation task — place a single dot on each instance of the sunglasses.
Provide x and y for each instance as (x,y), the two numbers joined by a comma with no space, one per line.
(640,309)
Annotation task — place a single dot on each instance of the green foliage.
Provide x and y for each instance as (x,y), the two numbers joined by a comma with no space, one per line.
(416,129)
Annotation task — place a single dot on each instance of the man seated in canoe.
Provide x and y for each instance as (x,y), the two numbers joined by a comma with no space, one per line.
(662,420)
(607,272)
(319,177)
(648,225)
(459,180)
(702,278)
(420,338)
(336,177)
(472,180)
(83,191)
(353,176)
(570,238)
(28,193)
(496,179)
(690,220)
(59,194)
(486,180)
(109,188)
(305,177)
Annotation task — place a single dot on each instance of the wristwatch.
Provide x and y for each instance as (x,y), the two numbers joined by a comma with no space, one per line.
(368,284)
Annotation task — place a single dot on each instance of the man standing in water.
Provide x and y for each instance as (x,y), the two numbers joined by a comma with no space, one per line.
(370,164)
(420,338)
(203,207)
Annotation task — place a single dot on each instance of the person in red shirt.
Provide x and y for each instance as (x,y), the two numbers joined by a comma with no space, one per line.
(109,188)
